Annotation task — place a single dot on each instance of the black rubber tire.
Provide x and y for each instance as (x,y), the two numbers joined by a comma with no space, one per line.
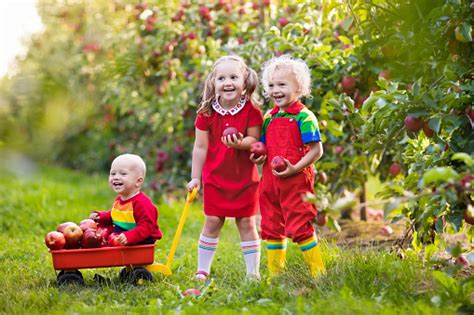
(125,274)
(73,277)
(140,274)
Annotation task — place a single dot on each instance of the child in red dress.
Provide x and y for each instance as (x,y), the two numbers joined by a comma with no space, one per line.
(229,178)
(290,130)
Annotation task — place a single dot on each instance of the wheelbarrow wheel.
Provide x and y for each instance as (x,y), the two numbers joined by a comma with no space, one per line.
(125,274)
(138,275)
(73,277)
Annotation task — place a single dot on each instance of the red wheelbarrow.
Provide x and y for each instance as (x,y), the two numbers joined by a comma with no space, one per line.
(138,260)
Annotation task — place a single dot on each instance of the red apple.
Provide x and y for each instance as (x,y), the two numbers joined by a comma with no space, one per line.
(192,292)
(230,131)
(321,218)
(427,130)
(55,240)
(348,84)
(462,261)
(469,215)
(322,177)
(339,149)
(278,164)
(63,225)
(386,231)
(283,21)
(73,234)
(88,224)
(112,240)
(91,239)
(258,149)
(395,169)
(413,124)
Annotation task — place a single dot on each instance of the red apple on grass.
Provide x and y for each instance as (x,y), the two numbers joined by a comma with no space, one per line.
(413,123)
(73,234)
(462,261)
(88,224)
(386,230)
(283,21)
(192,292)
(63,225)
(55,240)
(258,149)
(91,239)
(278,164)
(230,131)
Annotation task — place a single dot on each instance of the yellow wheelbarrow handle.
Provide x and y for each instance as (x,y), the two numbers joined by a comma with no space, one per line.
(166,269)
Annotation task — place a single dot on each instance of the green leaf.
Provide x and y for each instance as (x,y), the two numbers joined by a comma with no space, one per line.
(466,158)
(440,174)
(446,281)
(332,223)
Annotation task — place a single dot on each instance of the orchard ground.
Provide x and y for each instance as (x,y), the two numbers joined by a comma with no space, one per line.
(366,280)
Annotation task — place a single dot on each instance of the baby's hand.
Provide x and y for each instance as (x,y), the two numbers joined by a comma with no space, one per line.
(94,216)
(122,239)
(195,182)
(260,160)
(290,170)
(233,141)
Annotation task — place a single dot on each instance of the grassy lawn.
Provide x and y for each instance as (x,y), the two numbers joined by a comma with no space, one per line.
(358,281)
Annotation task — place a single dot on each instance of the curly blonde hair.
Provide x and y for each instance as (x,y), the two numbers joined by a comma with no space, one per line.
(297,67)
(209,93)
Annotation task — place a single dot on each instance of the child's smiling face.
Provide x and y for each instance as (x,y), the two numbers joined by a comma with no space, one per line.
(283,88)
(229,83)
(125,177)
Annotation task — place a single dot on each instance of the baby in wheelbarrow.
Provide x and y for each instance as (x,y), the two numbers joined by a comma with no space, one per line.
(133,215)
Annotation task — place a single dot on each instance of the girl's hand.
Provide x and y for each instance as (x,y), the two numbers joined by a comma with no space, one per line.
(290,170)
(233,141)
(195,182)
(260,160)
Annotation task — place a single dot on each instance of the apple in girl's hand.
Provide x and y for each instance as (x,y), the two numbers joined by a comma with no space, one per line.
(112,240)
(278,164)
(230,131)
(73,234)
(91,239)
(258,149)
(63,225)
(55,240)
(88,224)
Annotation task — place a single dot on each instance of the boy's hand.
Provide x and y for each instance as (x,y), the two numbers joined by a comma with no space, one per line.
(195,182)
(122,239)
(260,160)
(233,141)
(290,170)
(94,216)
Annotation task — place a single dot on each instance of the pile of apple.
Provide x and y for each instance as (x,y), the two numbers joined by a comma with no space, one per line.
(88,234)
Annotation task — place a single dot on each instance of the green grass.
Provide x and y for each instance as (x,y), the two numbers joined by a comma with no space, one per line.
(357,282)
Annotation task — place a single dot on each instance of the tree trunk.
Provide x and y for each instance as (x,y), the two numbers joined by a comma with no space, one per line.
(363,200)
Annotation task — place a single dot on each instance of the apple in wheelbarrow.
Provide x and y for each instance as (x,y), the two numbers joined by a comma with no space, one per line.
(73,234)
(55,240)
(91,239)
(112,240)
(63,225)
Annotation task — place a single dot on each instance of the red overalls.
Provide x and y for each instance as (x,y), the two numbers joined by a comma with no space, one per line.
(284,213)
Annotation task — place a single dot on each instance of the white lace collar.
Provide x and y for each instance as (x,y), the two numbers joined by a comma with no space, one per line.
(234,110)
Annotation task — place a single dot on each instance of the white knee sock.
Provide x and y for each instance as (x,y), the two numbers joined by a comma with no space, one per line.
(206,249)
(251,251)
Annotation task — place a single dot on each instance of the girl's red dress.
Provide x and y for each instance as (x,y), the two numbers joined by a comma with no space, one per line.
(230,179)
